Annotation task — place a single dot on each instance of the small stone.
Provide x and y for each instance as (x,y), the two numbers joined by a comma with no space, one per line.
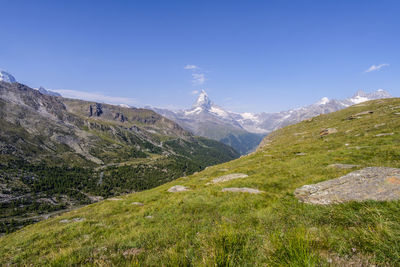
(229,177)
(342,166)
(328,131)
(64,221)
(301,154)
(149,217)
(223,170)
(242,190)
(296,134)
(384,134)
(132,252)
(137,203)
(177,188)
(379,125)
(114,199)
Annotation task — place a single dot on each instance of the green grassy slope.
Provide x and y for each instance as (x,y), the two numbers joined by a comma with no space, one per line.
(57,153)
(204,226)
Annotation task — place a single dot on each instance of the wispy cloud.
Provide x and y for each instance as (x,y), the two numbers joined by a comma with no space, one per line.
(194,92)
(191,67)
(376,67)
(97,97)
(198,78)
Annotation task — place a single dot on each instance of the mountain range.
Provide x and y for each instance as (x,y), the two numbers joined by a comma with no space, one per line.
(244,131)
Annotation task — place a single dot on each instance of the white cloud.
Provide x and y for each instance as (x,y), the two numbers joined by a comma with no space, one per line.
(198,78)
(97,97)
(194,92)
(191,67)
(376,67)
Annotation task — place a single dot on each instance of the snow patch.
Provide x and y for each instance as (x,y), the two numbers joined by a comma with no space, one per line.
(218,111)
(359,99)
(323,101)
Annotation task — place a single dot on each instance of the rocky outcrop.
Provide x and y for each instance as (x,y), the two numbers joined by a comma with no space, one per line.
(95,110)
(328,131)
(359,115)
(373,183)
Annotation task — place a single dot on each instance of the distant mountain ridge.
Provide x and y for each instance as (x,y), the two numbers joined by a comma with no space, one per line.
(243,131)
(268,122)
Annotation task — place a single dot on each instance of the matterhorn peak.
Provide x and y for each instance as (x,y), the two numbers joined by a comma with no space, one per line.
(203,101)
(7,77)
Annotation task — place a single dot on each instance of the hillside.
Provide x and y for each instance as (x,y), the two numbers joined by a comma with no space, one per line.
(59,153)
(211,224)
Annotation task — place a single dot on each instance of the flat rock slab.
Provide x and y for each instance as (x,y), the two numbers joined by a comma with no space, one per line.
(177,188)
(242,190)
(342,166)
(72,220)
(229,177)
(358,115)
(373,183)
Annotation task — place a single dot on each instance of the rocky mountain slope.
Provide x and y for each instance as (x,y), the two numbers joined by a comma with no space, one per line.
(243,212)
(58,153)
(243,131)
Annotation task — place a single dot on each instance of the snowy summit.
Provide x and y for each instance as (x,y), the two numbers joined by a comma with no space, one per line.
(7,77)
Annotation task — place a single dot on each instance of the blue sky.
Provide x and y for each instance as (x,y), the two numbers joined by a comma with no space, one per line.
(250,56)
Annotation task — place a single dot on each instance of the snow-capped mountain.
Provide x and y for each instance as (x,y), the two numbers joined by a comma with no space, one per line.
(7,77)
(268,122)
(205,109)
(243,131)
(44,91)
(212,121)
